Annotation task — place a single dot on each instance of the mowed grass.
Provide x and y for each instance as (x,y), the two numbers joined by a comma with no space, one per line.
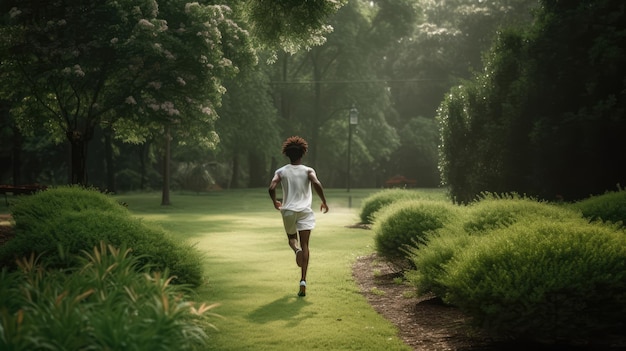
(252,273)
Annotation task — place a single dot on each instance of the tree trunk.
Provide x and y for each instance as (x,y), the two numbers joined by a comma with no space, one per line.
(78,165)
(16,155)
(108,157)
(257,169)
(142,166)
(317,110)
(234,177)
(165,199)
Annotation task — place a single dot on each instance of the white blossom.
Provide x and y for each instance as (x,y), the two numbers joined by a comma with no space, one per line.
(226,62)
(206,110)
(155,85)
(78,71)
(131,100)
(190,5)
(114,40)
(168,107)
(181,81)
(145,23)
(14,12)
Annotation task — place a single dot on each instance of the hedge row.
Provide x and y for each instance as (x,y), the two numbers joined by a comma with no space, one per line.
(520,268)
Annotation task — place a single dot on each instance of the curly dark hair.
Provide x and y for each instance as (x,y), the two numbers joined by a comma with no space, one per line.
(295,147)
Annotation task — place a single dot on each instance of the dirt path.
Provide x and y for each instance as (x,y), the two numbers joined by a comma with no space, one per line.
(426,324)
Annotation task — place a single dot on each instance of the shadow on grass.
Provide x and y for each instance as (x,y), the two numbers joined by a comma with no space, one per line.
(287,308)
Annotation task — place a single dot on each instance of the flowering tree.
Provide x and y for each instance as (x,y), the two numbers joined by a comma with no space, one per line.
(135,66)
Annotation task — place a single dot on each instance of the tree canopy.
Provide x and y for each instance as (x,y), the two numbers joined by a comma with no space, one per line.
(133,66)
(546,116)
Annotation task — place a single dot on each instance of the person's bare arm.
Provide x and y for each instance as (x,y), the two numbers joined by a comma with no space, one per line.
(272,191)
(319,189)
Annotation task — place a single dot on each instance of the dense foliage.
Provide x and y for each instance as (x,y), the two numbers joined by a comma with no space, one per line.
(62,222)
(546,116)
(478,219)
(380,199)
(135,69)
(546,281)
(529,270)
(109,301)
(608,207)
(406,224)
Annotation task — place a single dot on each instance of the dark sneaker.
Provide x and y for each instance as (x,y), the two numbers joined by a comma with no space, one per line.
(302,291)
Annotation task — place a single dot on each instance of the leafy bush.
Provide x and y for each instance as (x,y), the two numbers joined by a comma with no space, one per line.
(406,224)
(109,302)
(59,200)
(371,204)
(542,280)
(78,219)
(493,211)
(609,207)
(430,258)
(478,219)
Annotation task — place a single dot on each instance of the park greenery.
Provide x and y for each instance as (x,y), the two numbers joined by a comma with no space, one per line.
(516,109)
(477,96)
(522,268)
(112,296)
(60,223)
(545,116)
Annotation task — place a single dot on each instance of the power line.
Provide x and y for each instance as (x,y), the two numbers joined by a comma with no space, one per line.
(352,81)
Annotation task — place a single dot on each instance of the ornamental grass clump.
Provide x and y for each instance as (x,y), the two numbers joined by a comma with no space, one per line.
(110,302)
(373,203)
(79,219)
(407,224)
(542,280)
(608,207)
(478,219)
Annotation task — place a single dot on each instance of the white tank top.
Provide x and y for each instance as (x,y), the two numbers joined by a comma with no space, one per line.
(296,185)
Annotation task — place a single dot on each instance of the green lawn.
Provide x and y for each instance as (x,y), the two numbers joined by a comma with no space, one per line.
(252,273)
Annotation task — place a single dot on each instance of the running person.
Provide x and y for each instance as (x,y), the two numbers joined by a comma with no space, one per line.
(298,217)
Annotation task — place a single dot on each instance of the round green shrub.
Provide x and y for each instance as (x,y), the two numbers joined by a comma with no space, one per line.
(371,204)
(406,224)
(80,219)
(542,280)
(429,259)
(32,210)
(495,211)
(478,219)
(609,207)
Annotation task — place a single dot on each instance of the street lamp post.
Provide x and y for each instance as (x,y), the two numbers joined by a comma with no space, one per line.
(354,120)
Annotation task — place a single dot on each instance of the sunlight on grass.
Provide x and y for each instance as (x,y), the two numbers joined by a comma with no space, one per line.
(252,272)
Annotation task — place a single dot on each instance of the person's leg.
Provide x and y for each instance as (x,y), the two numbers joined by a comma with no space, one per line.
(304,244)
(293,243)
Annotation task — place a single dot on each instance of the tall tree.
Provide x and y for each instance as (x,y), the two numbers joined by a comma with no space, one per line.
(85,63)
(315,89)
(79,64)
(547,116)
(248,128)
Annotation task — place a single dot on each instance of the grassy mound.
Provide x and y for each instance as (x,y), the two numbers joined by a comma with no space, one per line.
(62,222)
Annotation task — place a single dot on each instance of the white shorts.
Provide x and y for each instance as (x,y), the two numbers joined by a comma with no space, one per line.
(297,221)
